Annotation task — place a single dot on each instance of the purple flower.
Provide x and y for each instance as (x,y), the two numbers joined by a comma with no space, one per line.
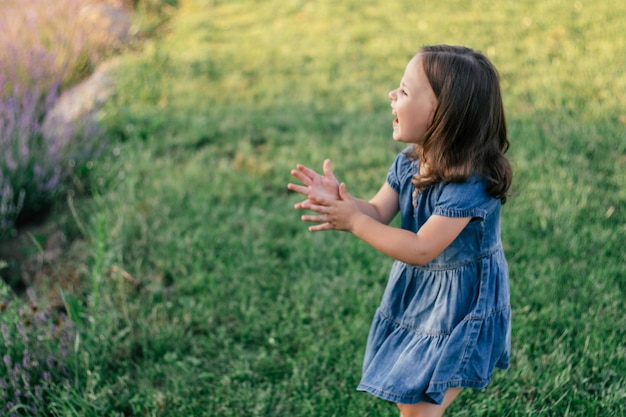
(36,357)
(26,362)
(50,362)
(4,329)
(23,332)
(8,159)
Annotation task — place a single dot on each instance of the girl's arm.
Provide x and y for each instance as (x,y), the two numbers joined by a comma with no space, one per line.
(382,208)
(412,248)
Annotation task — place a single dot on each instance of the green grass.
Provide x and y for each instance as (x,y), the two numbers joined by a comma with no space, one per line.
(238,310)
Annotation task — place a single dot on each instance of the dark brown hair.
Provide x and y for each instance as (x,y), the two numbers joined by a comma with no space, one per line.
(468,133)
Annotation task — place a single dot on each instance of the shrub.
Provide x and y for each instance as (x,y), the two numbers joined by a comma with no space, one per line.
(36,347)
(35,166)
(42,49)
(31,168)
(41,43)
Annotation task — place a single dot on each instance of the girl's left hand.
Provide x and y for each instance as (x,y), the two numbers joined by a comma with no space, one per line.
(332,214)
(316,187)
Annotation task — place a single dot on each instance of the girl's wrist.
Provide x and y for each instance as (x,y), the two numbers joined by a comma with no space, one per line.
(358,222)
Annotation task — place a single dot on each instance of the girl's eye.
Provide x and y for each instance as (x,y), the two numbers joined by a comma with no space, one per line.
(403,92)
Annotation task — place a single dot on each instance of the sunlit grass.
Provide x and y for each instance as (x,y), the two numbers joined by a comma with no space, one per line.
(239,310)
(242,91)
(553,55)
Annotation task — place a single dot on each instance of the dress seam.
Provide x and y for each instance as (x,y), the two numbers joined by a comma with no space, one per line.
(488,315)
(474,329)
(446,267)
(439,334)
(413,329)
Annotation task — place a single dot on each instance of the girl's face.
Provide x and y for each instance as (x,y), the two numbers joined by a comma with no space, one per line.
(413,103)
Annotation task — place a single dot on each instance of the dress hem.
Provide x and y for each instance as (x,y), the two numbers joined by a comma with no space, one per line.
(435,389)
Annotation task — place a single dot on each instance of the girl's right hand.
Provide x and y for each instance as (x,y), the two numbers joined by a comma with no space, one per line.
(316,187)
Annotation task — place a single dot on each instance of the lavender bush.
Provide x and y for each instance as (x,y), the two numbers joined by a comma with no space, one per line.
(39,46)
(43,47)
(31,168)
(36,347)
(44,41)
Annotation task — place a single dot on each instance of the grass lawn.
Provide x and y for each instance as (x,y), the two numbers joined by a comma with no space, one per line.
(202,292)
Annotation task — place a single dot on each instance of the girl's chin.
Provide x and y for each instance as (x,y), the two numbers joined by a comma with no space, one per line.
(399,138)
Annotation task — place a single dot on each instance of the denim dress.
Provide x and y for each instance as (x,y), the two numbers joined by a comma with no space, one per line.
(445,324)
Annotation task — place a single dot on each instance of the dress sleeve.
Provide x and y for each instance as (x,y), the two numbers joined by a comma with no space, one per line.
(398,171)
(468,199)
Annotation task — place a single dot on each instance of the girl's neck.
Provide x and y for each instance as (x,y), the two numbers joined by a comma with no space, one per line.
(423,166)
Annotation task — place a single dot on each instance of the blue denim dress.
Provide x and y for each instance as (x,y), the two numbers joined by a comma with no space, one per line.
(445,324)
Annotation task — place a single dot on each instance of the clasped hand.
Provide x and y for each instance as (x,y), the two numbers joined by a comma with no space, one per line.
(334,206)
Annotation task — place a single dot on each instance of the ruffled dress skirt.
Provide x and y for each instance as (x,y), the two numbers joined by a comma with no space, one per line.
(439,327)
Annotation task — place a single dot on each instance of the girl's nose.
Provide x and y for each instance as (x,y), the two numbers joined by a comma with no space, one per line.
(392,95)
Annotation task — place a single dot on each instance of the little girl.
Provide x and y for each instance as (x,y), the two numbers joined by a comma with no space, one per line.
(444,319)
